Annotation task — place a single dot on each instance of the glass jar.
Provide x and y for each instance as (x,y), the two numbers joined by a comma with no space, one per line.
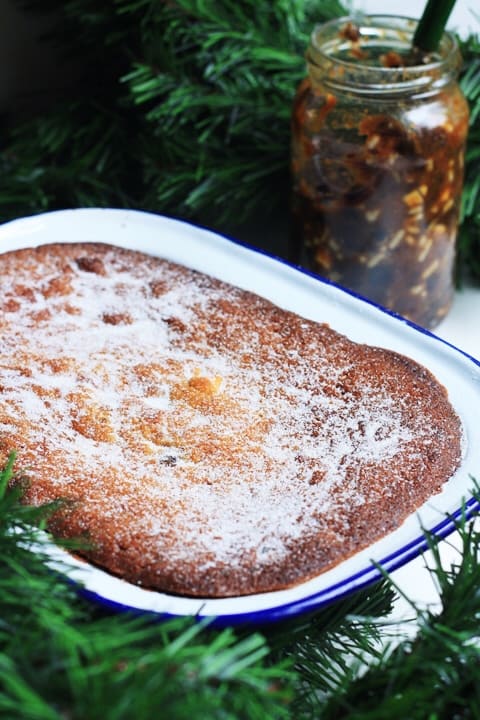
(378,139)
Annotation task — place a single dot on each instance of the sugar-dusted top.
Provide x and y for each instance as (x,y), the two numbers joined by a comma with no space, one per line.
(208,442)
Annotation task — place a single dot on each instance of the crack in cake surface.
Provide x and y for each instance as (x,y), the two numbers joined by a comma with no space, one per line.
(210,443)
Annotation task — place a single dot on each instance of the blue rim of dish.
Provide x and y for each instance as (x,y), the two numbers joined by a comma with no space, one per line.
(358,581)
(364,578)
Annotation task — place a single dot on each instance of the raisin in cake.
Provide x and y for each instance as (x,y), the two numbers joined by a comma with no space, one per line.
(206,442)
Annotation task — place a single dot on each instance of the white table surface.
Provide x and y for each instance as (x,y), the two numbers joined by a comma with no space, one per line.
(462,329)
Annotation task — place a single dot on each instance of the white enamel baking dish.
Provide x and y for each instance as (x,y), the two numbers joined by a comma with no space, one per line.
(313,298)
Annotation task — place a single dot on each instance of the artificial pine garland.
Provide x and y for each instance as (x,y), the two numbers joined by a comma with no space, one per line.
(61,657)
(183,108)
(469,235)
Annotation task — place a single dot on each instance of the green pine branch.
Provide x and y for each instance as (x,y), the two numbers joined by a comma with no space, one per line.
(59,658)
(221,123)
(469,235)
(435,675)
(196,126)
(62,657)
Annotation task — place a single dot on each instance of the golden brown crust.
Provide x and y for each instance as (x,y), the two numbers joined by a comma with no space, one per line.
(209,443)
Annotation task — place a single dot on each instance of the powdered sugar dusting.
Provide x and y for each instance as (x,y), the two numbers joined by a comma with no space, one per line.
(219,427)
